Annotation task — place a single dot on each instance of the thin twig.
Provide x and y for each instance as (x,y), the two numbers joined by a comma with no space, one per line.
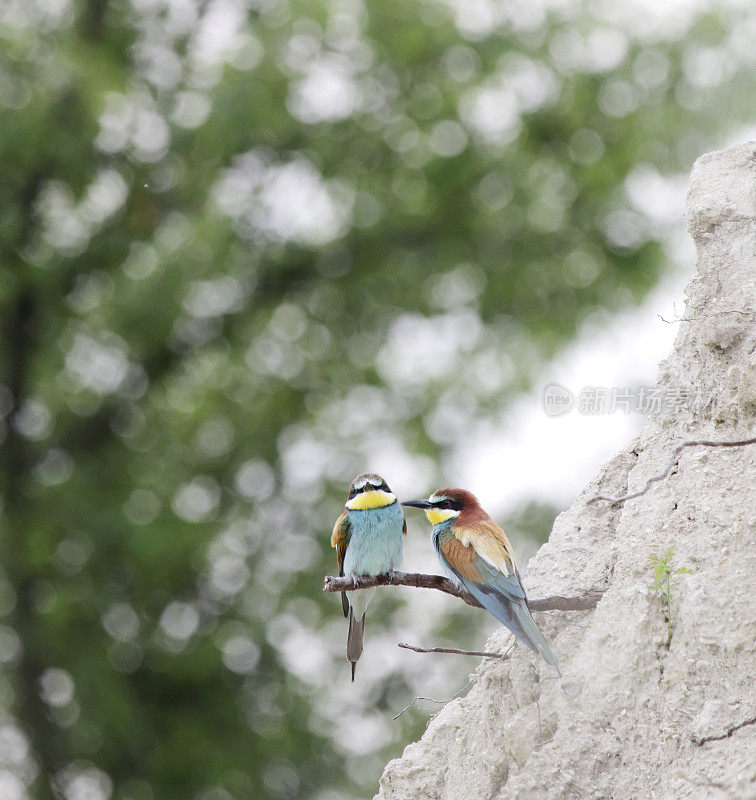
(702,316)
(431,700)
(447,650)
(725,735)
(453,651)
(615,501)
(584,602)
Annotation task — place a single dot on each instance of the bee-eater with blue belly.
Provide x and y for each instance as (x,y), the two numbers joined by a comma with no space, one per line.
(369,540)
(477,556)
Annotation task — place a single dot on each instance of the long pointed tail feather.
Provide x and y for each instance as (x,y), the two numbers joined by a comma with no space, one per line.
(515,615)
(533,637)
(354,639)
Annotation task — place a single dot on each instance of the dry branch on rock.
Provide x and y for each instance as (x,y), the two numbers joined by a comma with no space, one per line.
(583,602)
(615,501)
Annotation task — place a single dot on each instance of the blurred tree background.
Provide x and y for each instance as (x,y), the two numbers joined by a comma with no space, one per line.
(250,248)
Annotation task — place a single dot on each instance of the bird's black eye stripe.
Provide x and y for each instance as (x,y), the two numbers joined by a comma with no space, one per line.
(454,505)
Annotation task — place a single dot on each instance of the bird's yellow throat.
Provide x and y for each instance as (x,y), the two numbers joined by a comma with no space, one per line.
(376,498)
(436,515)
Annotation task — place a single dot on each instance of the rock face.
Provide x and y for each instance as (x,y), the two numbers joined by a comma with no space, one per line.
(639,713)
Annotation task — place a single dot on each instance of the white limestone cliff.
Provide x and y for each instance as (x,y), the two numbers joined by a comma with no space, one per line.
(636,716)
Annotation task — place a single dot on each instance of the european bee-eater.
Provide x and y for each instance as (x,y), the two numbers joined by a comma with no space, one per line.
(369,540)
(477,556)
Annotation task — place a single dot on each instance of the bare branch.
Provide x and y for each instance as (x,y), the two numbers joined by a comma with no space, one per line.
(556,602)
(584,602)
(615,501)
(431,700)
(725,735)
(452,650)
(447,650)
(702,316)
(415,579)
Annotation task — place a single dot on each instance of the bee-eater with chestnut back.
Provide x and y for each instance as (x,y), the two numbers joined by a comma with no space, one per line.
(369,540)
(477,556)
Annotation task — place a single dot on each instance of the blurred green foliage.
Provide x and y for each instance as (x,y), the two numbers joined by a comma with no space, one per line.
(244,247)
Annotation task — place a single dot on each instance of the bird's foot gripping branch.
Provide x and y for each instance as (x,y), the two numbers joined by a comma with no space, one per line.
(583,602)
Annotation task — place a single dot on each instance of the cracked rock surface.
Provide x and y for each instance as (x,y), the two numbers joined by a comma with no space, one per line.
(638,714)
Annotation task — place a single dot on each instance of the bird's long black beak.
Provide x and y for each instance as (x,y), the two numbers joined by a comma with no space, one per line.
(418,504)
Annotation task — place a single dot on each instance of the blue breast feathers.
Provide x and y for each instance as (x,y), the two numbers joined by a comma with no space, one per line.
(376,542)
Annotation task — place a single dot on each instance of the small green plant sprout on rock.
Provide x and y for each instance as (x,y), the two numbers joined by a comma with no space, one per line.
(661,585)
